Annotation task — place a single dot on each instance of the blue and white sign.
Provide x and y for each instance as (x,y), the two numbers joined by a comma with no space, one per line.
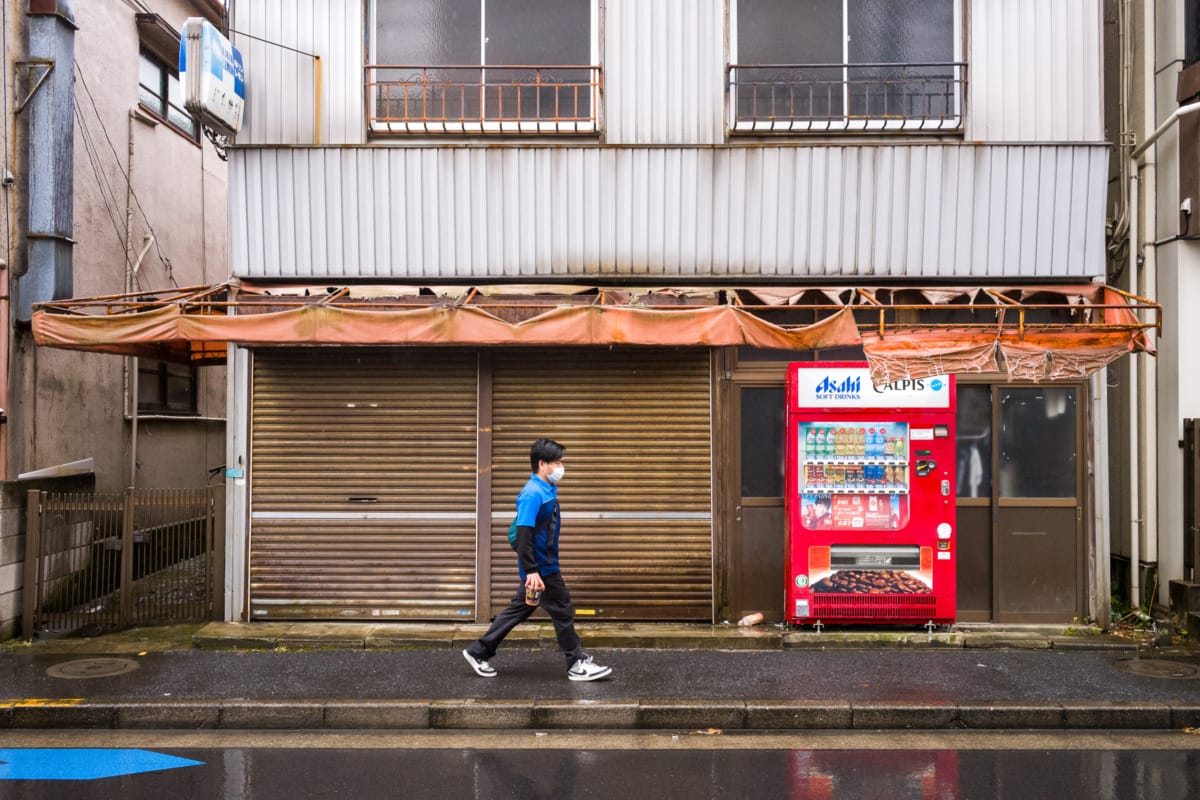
(212,75)
(83,764)
(851,387)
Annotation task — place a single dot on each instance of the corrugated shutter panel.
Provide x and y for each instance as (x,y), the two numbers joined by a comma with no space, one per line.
(363,484)
(637,496)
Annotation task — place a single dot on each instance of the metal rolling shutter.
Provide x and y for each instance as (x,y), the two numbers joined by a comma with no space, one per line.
(363,484)
(637,496)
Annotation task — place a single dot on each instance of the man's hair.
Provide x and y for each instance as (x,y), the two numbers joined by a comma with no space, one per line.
(545,450)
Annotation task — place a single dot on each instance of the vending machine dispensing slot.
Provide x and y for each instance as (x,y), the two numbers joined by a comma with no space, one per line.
(870,501)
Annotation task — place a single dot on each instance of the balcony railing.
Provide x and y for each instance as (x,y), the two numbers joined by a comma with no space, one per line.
(483,99)
(846,97)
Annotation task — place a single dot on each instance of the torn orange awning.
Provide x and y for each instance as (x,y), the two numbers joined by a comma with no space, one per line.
(1032,333)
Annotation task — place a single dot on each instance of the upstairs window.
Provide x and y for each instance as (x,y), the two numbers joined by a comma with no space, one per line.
(846,65)
(160,91)
(482,66)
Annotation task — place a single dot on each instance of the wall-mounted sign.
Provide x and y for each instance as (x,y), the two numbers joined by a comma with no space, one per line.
(213,77)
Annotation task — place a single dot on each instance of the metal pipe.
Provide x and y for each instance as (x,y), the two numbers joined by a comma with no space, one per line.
(1134,454)
(317,78)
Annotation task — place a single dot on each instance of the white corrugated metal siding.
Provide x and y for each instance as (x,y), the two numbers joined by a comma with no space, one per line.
(279,82)
(1035,71)
(664,71)
(934,211)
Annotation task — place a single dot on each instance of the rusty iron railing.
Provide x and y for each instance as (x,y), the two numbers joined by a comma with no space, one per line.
(928,96)
(482,99)
(101,561)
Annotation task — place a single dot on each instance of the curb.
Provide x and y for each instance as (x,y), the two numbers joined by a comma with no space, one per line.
(470,714)
(366,636)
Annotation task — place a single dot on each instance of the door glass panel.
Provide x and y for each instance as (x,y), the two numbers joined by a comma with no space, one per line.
(973,433)
(762,441)
(1037,442)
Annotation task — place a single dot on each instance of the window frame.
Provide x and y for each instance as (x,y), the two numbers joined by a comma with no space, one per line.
(165,72)
(472,125)
(161,404)
(848,123)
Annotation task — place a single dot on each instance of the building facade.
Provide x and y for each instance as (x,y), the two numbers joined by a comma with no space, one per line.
(109,187)
(736,144)
(459,225)
(1153,71)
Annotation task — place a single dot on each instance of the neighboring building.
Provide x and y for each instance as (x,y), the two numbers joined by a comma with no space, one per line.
(438,171)
(144,209)
(1153,75)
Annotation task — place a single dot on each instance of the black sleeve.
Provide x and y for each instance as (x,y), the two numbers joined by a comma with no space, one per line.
(525,549)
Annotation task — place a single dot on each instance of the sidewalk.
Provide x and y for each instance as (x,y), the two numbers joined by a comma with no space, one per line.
(314,676)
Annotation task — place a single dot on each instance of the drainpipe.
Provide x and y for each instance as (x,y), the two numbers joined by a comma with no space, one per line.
(51,158)
(1135,459)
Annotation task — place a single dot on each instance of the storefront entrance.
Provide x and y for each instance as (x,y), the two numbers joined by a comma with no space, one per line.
(383,480)
(1020,502)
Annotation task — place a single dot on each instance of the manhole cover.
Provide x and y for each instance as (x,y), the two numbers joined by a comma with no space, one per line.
(92,668)
(1152,668)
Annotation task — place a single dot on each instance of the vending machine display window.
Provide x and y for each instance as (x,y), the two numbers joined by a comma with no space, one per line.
(853,475)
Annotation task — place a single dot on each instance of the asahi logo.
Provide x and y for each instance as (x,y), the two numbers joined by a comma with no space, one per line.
(847,389)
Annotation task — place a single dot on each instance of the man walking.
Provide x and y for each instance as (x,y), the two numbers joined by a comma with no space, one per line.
(538,523)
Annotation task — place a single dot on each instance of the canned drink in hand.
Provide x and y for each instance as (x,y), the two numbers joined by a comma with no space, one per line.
(532,596)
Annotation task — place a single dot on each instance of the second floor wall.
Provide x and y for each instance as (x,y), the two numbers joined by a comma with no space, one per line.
(965,212)
(1013,70)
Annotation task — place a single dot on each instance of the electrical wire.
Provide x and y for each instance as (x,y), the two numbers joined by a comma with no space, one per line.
(166,262)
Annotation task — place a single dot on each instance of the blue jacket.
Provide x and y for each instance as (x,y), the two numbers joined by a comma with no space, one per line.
(537,508)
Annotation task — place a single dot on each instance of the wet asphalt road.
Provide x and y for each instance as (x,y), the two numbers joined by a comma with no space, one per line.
(862,676)
(757,767)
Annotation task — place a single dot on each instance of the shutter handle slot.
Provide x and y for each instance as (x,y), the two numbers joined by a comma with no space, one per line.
(362,499)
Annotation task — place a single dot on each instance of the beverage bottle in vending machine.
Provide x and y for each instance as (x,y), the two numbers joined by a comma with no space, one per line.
(860,442)
(832,443)
(810,442)
(870,443)
(819,446)
(843,443)
(888,446)
(898,447)
(881,443)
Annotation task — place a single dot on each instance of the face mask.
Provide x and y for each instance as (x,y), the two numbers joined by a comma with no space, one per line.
(556,474)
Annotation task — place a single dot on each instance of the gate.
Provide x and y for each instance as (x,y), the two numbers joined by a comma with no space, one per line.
(101,561)
(1191,500)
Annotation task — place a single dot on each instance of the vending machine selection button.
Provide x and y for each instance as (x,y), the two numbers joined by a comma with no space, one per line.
(944,530)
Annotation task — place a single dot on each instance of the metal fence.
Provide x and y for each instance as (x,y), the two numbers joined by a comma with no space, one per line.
(100,561)
(1191,499)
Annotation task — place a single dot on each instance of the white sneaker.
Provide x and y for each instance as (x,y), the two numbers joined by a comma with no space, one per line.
(482,668)
(587,670)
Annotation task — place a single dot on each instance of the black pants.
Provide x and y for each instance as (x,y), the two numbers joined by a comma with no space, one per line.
(556,600)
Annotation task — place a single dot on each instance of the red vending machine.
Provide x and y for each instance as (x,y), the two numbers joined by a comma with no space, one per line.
(870,497)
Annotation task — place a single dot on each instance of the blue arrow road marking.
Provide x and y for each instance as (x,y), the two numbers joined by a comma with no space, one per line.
(83,764)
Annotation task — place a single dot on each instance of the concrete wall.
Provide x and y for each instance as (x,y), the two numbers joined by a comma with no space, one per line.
(67,406)
(64,406)
(13,496)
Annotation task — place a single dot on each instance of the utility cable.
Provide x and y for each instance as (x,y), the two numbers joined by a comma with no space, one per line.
(166,262)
